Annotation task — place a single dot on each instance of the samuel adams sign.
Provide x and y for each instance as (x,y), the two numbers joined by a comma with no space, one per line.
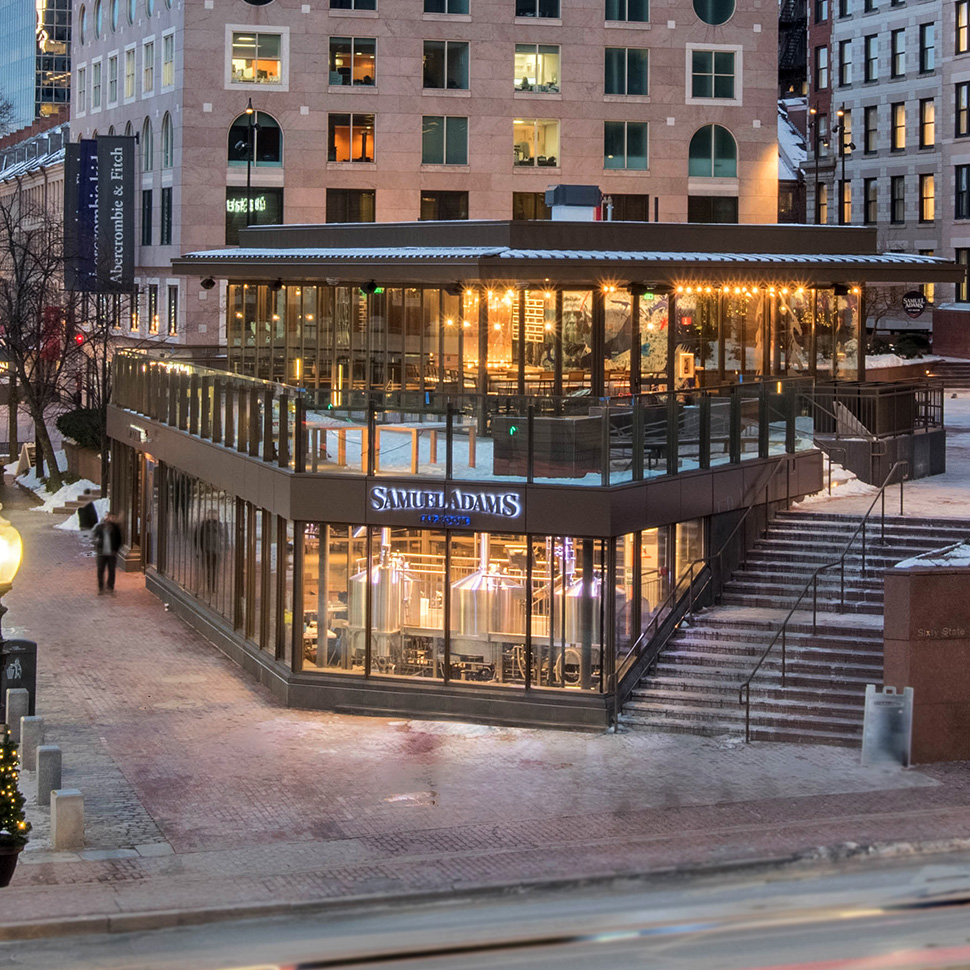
(99,214)
(468,506)
(914,303)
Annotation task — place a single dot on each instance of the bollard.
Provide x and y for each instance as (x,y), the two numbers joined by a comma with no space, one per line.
(31,734)
(48,772)
(18,706)
(67,818)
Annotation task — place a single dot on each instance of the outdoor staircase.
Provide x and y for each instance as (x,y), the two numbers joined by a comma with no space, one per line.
(953,373)
(693,688)
(88,495)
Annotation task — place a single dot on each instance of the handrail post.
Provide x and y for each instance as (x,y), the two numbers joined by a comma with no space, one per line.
(747,713)
(842,585)
(815,603)
(864,545)
(784,637)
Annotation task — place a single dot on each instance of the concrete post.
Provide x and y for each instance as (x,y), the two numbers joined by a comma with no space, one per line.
(67,818)
(31,734)
(18,706)
(48,772)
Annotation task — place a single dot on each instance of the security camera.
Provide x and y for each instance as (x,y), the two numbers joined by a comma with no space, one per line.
(207,283)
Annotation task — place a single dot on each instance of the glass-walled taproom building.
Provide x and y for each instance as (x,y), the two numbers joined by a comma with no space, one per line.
(466,471)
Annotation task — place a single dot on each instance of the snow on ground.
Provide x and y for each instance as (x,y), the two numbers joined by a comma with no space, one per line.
(69,493)
(73,524)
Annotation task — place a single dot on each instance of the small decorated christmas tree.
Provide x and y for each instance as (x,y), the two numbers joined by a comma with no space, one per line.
(14,826)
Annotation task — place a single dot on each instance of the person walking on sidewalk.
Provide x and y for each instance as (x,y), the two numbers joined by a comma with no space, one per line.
(107,538)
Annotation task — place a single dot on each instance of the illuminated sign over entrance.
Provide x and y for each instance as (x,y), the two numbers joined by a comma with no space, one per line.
(450,506)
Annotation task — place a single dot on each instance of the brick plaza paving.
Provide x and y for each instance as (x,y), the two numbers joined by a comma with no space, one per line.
(204,797)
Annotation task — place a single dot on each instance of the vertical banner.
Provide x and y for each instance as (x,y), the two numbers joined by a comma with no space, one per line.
(99,215)
(115,220)
(80,215)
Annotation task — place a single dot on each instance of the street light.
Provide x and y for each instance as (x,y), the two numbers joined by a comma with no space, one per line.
(844,149)
(250,158)
(11,551)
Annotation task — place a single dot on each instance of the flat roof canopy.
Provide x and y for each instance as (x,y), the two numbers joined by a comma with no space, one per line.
(581,254)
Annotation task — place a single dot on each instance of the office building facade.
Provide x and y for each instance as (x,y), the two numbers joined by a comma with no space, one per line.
(398,110)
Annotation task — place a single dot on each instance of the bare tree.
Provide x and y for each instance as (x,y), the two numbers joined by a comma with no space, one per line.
(880,302)
(36,314)
(6,115)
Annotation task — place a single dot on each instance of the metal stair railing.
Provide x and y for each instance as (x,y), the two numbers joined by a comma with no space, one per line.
(744,691)
(679,602)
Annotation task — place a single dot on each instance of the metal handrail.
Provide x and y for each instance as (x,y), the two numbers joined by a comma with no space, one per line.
(744,691)
(674,601)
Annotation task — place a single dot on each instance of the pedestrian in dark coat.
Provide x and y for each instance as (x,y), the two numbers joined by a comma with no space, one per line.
(108,539)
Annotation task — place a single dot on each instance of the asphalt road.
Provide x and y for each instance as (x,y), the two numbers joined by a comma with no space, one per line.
(860,916)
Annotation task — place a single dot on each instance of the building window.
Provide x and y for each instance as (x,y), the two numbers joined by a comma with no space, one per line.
(712,74)
(350,138)
(625,145)
(353,4)
(168,60)
(443,205)
(821,11)
(714,12)
(537,8)
(962,256)
(821,135)
(845,63)
(351,205)
(147,146)
(444,140)
(96,86)
(845,202)
(446,64)
(821,68)
(897,135)
(927,123)
(870,129)
(871,48)
(446,6)
(897,199)
(153,308)
(82,89)
(536,68)
(530,206)
(713,153)
(146,217)
(630,208)
(718,208)
(265,206)
(168,141)
(961,186)
(353,60)
(822,205)
(267,136)
(536,142)
(927,198)
(129,73)
(148,67)
(173,310)
(961,109)
(897,53)
(256,58)
(113,79)
(166,217)
(927,47)
(869,6)
(845,8)
(870,211)
(962,39)
(626,71)
(630,11)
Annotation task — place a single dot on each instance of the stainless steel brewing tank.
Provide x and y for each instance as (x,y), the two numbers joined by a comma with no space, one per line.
(488,602)
(391,593)
(574,609)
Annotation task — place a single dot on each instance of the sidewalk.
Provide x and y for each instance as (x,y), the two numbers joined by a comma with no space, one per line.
(205,798)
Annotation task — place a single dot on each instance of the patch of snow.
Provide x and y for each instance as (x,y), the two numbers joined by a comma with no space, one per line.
(73,524)
(956,555)
(68,493)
